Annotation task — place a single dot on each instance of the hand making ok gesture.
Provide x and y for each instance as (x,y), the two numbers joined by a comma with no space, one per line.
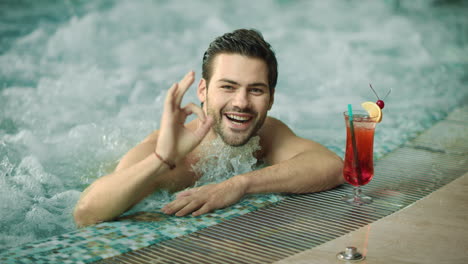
(175,140)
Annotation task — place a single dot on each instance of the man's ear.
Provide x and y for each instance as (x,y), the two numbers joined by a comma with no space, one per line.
(201,90)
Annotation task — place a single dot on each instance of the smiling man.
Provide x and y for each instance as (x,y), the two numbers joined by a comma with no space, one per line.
(240,97)
(236,91)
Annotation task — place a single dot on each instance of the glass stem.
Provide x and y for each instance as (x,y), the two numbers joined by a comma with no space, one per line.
(357,193)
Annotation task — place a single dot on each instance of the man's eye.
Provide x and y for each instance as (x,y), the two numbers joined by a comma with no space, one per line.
(256,91)
(227,87)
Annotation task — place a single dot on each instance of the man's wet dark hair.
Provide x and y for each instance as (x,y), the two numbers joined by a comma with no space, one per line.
(246,42)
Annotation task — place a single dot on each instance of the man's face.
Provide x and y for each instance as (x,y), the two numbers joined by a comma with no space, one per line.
(238,97)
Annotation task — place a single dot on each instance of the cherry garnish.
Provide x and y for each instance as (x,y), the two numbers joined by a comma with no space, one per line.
(380,103)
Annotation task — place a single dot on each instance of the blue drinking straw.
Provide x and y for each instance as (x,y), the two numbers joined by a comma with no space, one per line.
(353,140)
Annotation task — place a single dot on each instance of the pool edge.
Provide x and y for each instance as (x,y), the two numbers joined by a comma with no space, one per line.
(381,241)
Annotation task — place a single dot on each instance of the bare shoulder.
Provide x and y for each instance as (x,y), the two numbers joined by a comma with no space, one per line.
(274,135)
(273,130)
(136,154)
(281,143)
(139,152)
(153,137)
(145,148)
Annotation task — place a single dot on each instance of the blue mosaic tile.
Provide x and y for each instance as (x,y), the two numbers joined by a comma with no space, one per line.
(128,233)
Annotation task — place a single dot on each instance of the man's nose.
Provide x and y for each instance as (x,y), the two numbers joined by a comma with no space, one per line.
(241,99)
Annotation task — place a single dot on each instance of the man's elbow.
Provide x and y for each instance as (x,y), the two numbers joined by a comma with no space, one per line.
(333,173)
(83,216)
(329,176)
(337,171)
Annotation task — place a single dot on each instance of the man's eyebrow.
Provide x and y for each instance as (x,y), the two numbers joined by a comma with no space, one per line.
(258,84)
(228,81)
(236,83)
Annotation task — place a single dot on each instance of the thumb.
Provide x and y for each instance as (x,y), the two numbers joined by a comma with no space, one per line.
(204,127)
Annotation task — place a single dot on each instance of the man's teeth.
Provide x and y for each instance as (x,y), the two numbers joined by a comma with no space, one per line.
(238,118)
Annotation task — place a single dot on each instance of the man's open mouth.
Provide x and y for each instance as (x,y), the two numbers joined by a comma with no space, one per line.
(239,119)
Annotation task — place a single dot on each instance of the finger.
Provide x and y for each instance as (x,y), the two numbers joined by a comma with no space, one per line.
(193,108)
(174,206)
(204,127)
(192,206)
(204,123)
(206,208)
(169,101)
(184,84)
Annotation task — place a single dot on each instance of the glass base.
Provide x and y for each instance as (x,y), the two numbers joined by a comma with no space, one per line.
(357,200)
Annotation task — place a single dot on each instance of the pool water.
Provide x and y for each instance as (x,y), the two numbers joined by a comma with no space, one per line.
(83,82)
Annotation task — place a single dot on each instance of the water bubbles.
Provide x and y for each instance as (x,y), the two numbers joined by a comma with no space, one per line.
(38,220)
(153,202)
(13,206)
(219,161)
(34,202)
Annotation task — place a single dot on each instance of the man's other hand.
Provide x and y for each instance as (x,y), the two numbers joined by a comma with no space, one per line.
(206,198)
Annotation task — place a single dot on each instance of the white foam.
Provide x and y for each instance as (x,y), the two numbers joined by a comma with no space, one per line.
(37,203)
(217,162)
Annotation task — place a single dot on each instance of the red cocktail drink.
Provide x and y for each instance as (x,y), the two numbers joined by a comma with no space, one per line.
(359,162)
(364,129)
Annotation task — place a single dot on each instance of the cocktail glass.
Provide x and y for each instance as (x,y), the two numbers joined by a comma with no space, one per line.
(359,163)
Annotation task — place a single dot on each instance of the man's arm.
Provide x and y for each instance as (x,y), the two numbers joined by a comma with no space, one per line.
(297,166)
(141,172)
(113,194)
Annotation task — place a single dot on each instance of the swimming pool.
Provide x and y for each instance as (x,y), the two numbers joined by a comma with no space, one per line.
(81,83)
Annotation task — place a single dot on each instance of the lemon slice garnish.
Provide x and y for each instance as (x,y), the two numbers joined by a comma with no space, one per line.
(374,110)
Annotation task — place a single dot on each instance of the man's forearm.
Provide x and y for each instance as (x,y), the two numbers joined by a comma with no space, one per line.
(115,193)
(304,173)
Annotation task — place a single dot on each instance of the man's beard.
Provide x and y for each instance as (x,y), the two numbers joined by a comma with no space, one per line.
(233,138)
